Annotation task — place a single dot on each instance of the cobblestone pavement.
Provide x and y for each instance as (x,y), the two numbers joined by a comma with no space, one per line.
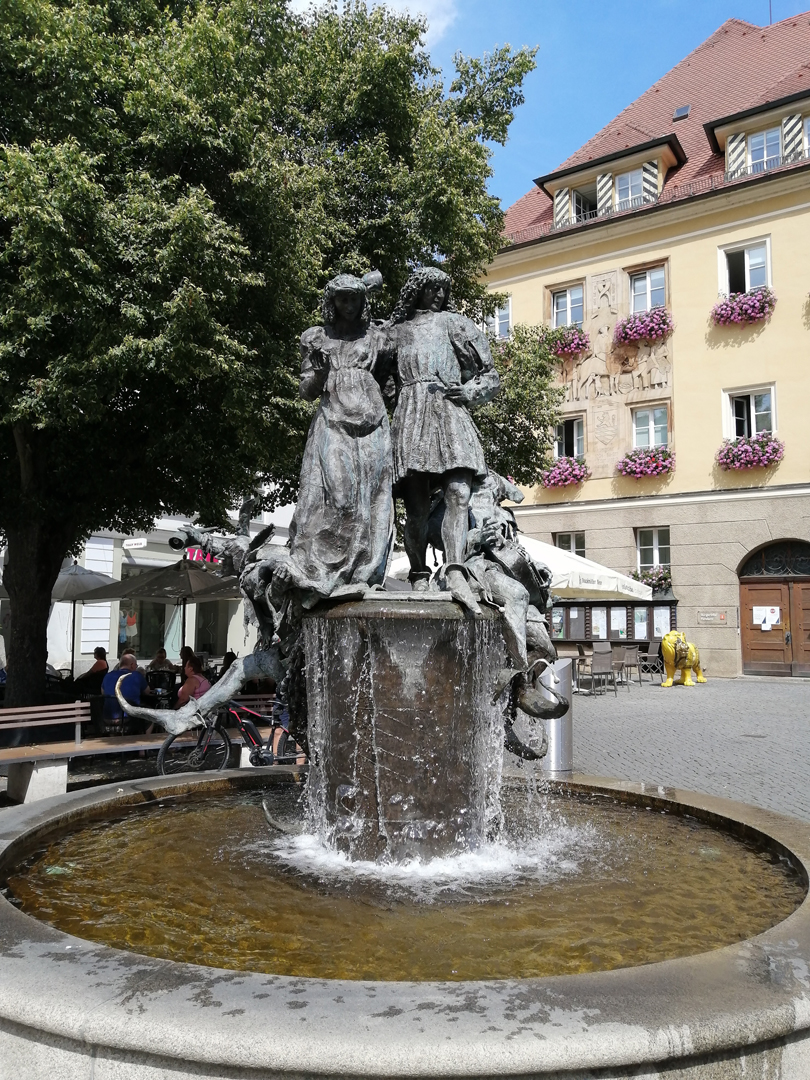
(746,739)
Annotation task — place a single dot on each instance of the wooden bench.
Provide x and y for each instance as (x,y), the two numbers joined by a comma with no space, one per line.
(38,771)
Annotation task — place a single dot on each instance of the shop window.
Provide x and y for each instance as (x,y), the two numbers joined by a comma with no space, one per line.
(569,438)
(212,627)
(652,547)
(648,290)
(574,542)
(650,427)
(568,306)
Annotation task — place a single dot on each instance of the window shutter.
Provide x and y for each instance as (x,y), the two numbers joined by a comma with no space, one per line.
(649,181)
(604,193)
(735,154)
(792,138)
(562,207)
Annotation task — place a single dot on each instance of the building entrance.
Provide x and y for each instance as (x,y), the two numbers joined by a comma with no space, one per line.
(775,610)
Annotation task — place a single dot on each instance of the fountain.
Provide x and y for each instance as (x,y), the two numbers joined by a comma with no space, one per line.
(421,913)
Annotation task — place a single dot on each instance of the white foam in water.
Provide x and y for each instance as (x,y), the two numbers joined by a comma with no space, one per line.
(558,853)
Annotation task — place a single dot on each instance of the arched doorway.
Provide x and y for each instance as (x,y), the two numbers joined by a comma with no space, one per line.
(775,609)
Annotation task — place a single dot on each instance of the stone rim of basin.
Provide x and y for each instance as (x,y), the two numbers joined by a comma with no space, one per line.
(60,995)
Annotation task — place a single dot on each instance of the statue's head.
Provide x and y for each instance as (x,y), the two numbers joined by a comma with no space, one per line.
(346,297)
(427,289)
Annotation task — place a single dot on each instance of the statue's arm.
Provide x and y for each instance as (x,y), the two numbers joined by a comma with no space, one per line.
(314,364)
(480,381)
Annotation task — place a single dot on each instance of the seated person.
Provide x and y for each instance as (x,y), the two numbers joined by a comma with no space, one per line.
(185,654)
(128,652)
(89,682)
(196,683)
(160,663)
(227,661)
(133,686)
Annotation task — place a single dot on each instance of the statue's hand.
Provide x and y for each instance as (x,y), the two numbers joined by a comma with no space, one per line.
(461,394)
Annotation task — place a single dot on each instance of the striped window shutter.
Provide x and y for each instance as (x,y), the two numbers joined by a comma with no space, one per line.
(649,181)
(604,193)
(792,138)
(562,207)
(735,154)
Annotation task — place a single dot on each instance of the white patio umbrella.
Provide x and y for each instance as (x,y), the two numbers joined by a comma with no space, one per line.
(572,576)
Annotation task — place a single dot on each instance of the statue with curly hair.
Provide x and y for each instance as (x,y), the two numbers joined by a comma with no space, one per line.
(444,367)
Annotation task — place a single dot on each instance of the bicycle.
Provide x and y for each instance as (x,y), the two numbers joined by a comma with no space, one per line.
(212,750)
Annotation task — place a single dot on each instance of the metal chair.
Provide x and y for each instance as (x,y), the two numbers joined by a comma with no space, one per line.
(602,666)
(631,661)
(617,658)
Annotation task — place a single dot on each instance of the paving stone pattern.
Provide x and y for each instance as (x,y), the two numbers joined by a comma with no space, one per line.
(746,739)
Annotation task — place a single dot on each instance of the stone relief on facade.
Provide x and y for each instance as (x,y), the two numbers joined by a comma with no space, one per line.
(607,377)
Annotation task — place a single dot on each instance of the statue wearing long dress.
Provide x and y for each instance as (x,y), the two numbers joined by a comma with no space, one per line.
(444,366)
(342,529)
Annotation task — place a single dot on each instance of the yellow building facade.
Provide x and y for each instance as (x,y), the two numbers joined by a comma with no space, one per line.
(727,204)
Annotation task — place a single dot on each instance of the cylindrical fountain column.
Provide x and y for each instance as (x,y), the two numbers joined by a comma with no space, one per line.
(405,743)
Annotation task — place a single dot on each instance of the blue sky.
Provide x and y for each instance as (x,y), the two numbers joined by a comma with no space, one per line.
(594,59)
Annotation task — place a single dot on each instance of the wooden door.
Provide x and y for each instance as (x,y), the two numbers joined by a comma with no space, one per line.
(800,627)
(766,651)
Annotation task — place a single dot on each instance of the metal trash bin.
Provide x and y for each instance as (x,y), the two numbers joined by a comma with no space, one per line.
(559,761)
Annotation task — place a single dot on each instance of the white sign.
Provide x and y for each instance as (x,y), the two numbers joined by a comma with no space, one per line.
(599,622)
(660,621)
(767,617)
(640,618)
(134,543)
(618,621)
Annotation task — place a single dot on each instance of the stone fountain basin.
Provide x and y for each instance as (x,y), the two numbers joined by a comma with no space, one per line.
(74,1010)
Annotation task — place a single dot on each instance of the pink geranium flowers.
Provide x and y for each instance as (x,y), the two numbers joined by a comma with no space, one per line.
(652,325)
(757,452)
(570,341)
(740,309)
(659,578)
(646,461)
(565,471)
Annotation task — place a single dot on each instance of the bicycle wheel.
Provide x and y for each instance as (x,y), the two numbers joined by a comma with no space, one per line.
(288,751)
(210,753)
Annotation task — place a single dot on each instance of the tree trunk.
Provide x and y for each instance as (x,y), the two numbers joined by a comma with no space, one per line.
(35,555)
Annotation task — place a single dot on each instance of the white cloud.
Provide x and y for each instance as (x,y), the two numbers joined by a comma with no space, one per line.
(440,14)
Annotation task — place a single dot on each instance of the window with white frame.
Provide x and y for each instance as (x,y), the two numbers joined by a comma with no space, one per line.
(765,150)
(574,542)
(569,438)
(568,306)
(652,547)
(648,290)
(650,427)
(500,324)
(749,412)
(745,267)
(629,189)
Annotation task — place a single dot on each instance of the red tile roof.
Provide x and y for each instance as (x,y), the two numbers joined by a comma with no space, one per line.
(740,66)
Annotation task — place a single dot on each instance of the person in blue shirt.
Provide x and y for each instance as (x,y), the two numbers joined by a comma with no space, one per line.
(133,686)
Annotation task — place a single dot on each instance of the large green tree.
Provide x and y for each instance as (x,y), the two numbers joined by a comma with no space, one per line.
(177,181)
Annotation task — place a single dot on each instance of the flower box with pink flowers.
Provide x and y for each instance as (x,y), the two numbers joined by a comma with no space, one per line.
(646,461)
(570,341)
(654,325)
(564,472)
(757,452)
(739,309)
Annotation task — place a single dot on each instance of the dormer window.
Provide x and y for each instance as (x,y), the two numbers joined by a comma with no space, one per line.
(765,150)
(629,189)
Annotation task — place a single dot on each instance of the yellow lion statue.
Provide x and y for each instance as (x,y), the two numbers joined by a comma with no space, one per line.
(680,653)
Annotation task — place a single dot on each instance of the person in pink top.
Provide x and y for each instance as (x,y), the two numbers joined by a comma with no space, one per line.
(196,683)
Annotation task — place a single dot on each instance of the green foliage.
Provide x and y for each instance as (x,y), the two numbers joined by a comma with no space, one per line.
(178,180)
(517,427)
